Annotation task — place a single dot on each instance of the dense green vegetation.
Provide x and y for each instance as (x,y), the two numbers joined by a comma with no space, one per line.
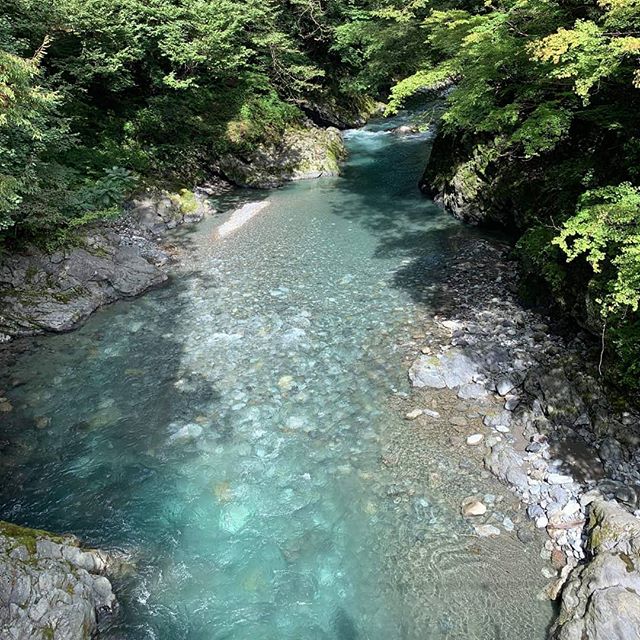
(544,115)
(96,94)
(98,97)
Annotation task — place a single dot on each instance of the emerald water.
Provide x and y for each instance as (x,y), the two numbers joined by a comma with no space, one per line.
(226,431)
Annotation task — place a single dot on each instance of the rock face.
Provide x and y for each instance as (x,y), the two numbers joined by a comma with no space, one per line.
(50,589)
(42,292)
(302,153)
(467,184)
(601,600)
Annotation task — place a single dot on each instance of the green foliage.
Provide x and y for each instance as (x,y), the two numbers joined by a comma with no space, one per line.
(106,192)
(555,87)
(543,129)
(160,88)
(606,231)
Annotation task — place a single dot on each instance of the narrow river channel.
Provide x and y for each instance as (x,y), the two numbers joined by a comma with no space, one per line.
(227,431)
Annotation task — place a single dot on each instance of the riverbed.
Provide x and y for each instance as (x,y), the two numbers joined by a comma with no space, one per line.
(229,430)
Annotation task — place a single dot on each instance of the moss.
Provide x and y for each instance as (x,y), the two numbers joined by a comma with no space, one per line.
(48,633)
(99,252)
(31,273)
(187,201)
(64,297)
(25,537)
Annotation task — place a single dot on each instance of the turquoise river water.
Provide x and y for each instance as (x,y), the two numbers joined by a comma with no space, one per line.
(226,430)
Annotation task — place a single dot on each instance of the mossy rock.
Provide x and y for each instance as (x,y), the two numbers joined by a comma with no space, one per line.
(26,537)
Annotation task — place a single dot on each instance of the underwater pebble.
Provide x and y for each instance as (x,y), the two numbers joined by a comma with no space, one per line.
(487,531)
(473,507)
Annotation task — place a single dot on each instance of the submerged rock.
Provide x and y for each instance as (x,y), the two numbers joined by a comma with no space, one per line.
(50,588)
(601,600)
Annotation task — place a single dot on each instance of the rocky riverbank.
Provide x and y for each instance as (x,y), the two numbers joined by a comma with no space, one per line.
(52,292)
(302,153)
(50,588)
(545,426)
(44,292)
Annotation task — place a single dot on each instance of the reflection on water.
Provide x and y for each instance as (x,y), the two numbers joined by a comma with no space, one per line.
(227,430)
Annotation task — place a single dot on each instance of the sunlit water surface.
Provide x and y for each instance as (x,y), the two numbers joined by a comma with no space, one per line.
(226,430)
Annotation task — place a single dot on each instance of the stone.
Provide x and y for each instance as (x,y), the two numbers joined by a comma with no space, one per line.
(506,463)
(558,478)
(535,511)
(627,495)
(42,422)
(493,420)
(286,383)
(558,559)
(511,403)
(187,433)
(431,413)
(234,517)
(301,153)
(504,386)
(486,531)
(51,584)
(525,535)
(475,439)
(472,391)
(507,524)
(473,507)
(425,372)
(412,415)
(452,369)
(611,451)
(601,599)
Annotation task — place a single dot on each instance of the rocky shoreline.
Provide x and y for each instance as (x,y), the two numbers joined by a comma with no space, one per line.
(50,587)
(44,292)
(547,428)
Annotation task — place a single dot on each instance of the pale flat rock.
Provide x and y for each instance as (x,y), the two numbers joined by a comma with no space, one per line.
(451,369)
(486,531)
(472,507)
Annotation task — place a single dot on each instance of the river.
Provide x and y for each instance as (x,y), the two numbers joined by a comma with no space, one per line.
(228,430)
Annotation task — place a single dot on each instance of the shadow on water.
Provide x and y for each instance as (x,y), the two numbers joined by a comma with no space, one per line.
(344,626)
(386,200)
(382,189)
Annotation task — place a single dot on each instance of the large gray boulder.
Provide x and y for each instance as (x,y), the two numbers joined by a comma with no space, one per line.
(601,600)
(302,153)
(50,588)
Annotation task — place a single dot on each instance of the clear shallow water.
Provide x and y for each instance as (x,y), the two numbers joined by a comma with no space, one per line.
(228,430)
